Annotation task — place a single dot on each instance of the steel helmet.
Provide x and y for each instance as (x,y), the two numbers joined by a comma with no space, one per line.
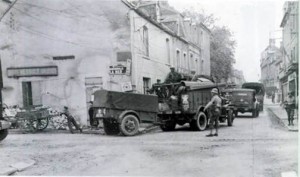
(214,90)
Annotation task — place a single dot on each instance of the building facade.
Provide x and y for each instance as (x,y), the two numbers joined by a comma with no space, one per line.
(57,54)
(237,78)
(269,64)
(290,37)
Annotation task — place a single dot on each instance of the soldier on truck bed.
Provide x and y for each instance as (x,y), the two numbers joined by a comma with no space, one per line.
(173,76)
(215,104)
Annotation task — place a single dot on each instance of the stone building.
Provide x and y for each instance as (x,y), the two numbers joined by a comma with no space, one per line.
(270,58)
(290,37)
(58,53)
(237,78)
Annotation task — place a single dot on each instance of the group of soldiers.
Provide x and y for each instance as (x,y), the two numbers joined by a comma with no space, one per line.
(214,105)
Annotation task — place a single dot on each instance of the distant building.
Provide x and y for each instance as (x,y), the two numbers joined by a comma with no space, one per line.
(270,58)
(289,72)
(59,54)
(236,77)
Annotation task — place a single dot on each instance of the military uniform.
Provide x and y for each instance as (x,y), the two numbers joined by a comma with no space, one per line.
(215,111)
(173,77)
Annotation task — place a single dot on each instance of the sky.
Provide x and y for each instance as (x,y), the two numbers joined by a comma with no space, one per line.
(252,22)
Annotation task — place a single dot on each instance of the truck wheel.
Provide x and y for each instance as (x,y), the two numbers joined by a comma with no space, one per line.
(261,108)
(254,113)
(230,118)
(236,114)
(3,134)
(129,125)
(201,122)
(168,126)
(110,128)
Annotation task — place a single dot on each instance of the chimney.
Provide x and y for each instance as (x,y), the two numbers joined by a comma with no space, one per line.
(271,42)
(158,15)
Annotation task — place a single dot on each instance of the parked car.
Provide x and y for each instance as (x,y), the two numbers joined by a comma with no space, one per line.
(259,91)
(244,100)
(4,126)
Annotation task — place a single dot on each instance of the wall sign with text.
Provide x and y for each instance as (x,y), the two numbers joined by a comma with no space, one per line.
(32,71)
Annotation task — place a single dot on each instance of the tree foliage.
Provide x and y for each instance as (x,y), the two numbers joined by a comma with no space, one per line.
(222,48)
(222,44)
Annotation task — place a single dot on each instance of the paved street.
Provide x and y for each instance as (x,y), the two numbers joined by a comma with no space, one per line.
(252,147)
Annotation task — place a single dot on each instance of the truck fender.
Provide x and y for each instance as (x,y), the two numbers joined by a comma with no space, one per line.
(128,112)
(200,108)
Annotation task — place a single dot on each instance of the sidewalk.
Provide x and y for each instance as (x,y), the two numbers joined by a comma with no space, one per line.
(279,112)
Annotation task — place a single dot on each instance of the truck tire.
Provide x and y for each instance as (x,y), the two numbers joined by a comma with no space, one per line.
(254,113)
(168,126)
(129,125)
(236,114)
(261,108)
(110,128)
(230,118)
(200,123)
(3,134)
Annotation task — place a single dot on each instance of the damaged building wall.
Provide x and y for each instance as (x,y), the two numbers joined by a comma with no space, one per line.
(91,33)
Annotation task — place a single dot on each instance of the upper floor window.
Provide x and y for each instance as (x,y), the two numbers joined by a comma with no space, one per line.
(185,62)
(178,59)
(168,51)
(146,40)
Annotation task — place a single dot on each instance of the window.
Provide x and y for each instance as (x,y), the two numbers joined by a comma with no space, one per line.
(202,66)
(192,62)
(178,59)
(146,40)
(146,84)
(32,95)
(184,65)
(168,50)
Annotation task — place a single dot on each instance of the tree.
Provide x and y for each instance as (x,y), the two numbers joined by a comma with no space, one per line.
(222,44)
(222,48)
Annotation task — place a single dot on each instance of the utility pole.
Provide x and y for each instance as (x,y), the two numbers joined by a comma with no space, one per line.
(7,10)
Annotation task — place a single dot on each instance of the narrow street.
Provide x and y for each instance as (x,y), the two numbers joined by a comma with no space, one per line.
(252,147)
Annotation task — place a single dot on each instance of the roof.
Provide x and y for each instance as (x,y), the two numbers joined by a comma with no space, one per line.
(284,19)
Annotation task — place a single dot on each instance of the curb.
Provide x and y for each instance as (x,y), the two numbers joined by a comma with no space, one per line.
(7,171)
(280,121)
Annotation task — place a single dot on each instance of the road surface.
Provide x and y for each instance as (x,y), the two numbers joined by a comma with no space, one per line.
(252,147)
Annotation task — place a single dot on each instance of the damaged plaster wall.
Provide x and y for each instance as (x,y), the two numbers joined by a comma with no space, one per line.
(35,31)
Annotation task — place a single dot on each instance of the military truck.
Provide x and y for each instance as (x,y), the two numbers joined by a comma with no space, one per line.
(123,112)
(184,102)
(259,91)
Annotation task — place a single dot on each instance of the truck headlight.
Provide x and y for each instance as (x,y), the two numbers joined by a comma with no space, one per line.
(100,112)
(185,102)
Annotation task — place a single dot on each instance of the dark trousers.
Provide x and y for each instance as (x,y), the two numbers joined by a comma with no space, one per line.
(73,121)
(214,119)
(290,112)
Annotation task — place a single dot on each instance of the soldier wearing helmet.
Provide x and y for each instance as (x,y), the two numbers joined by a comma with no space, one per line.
(173,76)
(215,105)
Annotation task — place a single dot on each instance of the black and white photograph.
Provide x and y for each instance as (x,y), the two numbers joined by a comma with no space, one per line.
(160,88)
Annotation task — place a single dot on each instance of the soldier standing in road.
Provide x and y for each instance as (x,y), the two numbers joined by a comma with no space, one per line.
(215,110)
(289,104)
